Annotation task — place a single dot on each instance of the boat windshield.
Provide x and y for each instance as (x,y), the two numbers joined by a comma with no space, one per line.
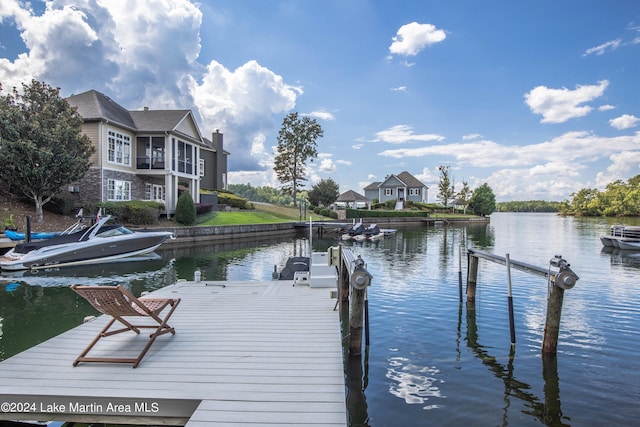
(113,231)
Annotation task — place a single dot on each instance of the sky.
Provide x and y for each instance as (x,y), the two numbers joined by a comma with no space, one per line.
(538,99)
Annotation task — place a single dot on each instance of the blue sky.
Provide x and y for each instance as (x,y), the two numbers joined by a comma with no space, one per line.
(538,99)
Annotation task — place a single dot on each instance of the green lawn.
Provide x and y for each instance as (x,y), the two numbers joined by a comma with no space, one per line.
(270,214)
(238,218)
(263,214)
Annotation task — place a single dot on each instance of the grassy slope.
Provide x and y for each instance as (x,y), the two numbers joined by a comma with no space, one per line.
(264,214)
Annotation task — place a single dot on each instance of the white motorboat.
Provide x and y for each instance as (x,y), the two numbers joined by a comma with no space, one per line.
(100,242)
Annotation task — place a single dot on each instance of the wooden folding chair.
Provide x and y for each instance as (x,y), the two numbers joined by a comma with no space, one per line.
(118,302)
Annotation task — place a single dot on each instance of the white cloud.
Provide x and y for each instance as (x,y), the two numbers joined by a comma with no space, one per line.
(327,166)
(399,89)
(15,9)
(255,178)
(344,162)
(412,38)
(570,146)
(322,115)
(560,105)
(400,134)
(623,165)
(471,136)
(601,49)
(224,102)
(625,121)
(357,146)
(111,46)
(606,107)
(79,49)
(427,176)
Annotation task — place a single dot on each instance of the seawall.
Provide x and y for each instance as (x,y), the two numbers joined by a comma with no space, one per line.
(199,234)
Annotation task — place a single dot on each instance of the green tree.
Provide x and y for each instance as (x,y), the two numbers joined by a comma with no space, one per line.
(324,192)
(446,191)
(483,201)
(42,148)
(586,202)
(464,195)
(185,209)
(296,145)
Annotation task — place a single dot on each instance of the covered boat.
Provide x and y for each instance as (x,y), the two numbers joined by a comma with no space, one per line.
(353,231)
(372,232)
(99,243)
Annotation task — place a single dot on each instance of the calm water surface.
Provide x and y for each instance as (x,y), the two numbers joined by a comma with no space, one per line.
(432,360)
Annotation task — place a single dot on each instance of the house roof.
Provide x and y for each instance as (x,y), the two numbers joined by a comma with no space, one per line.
(93,105)
(351,196)
(373,186)
(409,180)
(405,177)
(158,120)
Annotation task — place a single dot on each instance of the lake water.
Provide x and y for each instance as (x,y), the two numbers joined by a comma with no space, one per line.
(432,360)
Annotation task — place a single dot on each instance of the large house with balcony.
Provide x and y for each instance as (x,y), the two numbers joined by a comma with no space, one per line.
(400,187)
(146,155)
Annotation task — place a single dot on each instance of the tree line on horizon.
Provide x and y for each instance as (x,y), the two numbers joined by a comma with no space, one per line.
(620,198)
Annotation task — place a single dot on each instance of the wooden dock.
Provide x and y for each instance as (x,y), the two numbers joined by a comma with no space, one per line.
(244,353)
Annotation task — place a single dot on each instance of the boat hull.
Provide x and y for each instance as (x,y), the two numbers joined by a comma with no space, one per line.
(628,245)
(93,251)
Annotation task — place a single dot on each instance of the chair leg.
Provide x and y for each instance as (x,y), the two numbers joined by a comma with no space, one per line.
(162,329)
(94,342)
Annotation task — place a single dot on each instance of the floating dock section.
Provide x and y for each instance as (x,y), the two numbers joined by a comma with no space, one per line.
(244,353)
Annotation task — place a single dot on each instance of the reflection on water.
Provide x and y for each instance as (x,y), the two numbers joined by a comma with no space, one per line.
(415,384)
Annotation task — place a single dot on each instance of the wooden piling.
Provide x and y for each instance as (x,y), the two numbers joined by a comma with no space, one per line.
(343,280)
(552,325)
(356,320)
(472,277)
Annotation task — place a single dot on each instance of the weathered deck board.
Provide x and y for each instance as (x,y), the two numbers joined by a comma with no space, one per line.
(248,353)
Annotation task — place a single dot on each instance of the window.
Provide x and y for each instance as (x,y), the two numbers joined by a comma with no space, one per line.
(119,148)
(118,190)
(184,159)
(414,191)
(201,167)
(388,191)
(154,192)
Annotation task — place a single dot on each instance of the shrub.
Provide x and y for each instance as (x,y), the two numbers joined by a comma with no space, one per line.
(138,212)
(357,213)
(185,209)
(203,208)
(324,212)
(232,200)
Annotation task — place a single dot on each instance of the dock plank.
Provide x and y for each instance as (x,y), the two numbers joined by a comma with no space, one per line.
(248,353)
